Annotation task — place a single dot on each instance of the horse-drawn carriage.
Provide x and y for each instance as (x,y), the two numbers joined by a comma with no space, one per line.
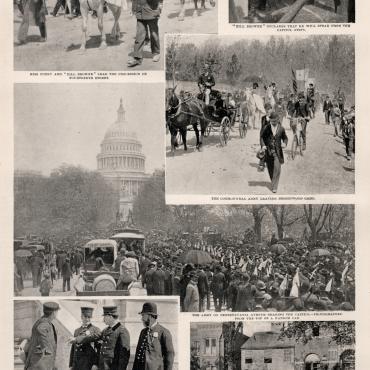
(190,110)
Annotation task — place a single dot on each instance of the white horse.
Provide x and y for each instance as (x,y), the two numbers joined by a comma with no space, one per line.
(255,107)
(98,5)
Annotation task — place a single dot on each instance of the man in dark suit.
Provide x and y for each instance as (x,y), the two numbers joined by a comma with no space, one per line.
(273,140)
(302,110)
(327,106)
(85,347)
(115,349)
(154,350)
(159,278)
(218,288)
(42,348)
(203,289)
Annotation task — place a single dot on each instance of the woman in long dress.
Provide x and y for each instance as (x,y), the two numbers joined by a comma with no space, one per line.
(34,14)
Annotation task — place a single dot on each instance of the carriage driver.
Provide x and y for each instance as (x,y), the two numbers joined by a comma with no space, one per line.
(205,82)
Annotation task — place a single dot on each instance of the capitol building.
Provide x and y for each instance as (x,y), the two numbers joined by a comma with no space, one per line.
(122,163)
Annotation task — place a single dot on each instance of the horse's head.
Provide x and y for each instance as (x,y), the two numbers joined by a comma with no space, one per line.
(171,98)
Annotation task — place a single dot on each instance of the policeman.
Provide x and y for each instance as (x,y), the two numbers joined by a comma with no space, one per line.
(154,349)
(41,350)
(115,348)
(205,82)
(85,347)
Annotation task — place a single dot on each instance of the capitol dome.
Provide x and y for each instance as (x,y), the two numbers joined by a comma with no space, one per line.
(121,161)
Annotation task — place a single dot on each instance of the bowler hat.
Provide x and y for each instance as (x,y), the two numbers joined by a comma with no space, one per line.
(50,307)
(274,116)
(87,311)
(110,310)
(149,308)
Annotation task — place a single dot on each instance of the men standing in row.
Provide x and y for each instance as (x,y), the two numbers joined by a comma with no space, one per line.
(85,347)
(42,348)
(115,349)
(154,350)
(273,140)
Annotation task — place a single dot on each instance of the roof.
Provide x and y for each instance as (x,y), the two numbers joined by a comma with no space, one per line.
(128,235)
(100,243)
(266,340)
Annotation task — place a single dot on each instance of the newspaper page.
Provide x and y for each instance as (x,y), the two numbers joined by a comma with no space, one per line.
(184,185)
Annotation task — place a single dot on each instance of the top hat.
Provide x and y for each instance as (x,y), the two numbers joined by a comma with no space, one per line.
(149,308)
(87,311)
(110,310)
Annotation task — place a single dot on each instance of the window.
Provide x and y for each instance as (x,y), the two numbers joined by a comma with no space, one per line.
(196,347)
(249,360)
(333,354)
(267,360)
(287,355)
(210,346)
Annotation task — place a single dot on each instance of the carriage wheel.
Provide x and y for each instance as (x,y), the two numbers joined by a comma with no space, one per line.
(224,131)
(208,130)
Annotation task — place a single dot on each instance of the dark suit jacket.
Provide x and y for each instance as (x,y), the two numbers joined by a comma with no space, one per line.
(218,284)
(159,353)
(274,143)
(85,354)
(327,105)
(202,284)
(42,349)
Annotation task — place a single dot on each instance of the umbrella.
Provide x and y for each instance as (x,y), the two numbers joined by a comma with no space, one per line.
(319,252)
(196,257)
(22,253)
(278,248)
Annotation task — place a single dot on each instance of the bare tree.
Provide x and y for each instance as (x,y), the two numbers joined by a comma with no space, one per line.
(316,216)
(284,216)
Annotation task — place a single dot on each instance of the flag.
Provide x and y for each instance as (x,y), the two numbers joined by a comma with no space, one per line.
(295,287)
(329,286)
(294,79)
(283,286)
(255,272)
(262,265)
(300,74)
(222,259)
(241,262)
(344,273)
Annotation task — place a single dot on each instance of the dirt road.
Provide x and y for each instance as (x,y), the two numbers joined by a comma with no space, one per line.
(61,51)
(232,169)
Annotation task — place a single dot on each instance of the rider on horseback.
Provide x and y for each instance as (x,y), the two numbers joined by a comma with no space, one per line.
(205,82)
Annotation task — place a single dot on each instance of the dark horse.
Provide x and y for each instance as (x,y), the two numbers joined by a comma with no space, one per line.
(181,113)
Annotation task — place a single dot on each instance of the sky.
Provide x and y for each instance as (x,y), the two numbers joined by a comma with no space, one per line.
(65,123)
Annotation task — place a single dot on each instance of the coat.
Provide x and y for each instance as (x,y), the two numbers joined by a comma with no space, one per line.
(154,350)
(273,144)
(218,284)
(191,300)
(85,354)
(149,281)
(115,349)
(158,282)
(42,348)
(147,9)
(66,270)
(203,286)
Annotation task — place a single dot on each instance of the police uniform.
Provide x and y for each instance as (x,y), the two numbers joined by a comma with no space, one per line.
(85,353)
(115,347)
(154,349)
(42,348)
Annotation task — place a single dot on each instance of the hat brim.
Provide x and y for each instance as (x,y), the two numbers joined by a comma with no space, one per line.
(149,313)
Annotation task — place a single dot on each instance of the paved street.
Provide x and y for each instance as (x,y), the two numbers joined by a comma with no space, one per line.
(232,169)
(61,51)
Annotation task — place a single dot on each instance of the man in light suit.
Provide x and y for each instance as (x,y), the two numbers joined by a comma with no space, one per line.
(154,349)
(42,348)
(273,140)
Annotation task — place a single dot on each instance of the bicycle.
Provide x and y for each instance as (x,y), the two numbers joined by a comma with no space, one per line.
(297,141)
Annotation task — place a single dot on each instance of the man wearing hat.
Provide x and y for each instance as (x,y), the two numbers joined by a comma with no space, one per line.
(205,83)
(115,348)
(42,348)
(191,300)
(302,110)
(85,348)
(273,140)
(218,288)
(147,280)
(159,278)
(154,350)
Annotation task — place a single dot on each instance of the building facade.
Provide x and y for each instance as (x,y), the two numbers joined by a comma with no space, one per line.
(122,162)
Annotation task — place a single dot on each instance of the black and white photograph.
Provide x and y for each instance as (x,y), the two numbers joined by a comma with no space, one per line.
(292,11)
(262,345)
(99,35)
(79,167)
(260,115)
(97,334)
